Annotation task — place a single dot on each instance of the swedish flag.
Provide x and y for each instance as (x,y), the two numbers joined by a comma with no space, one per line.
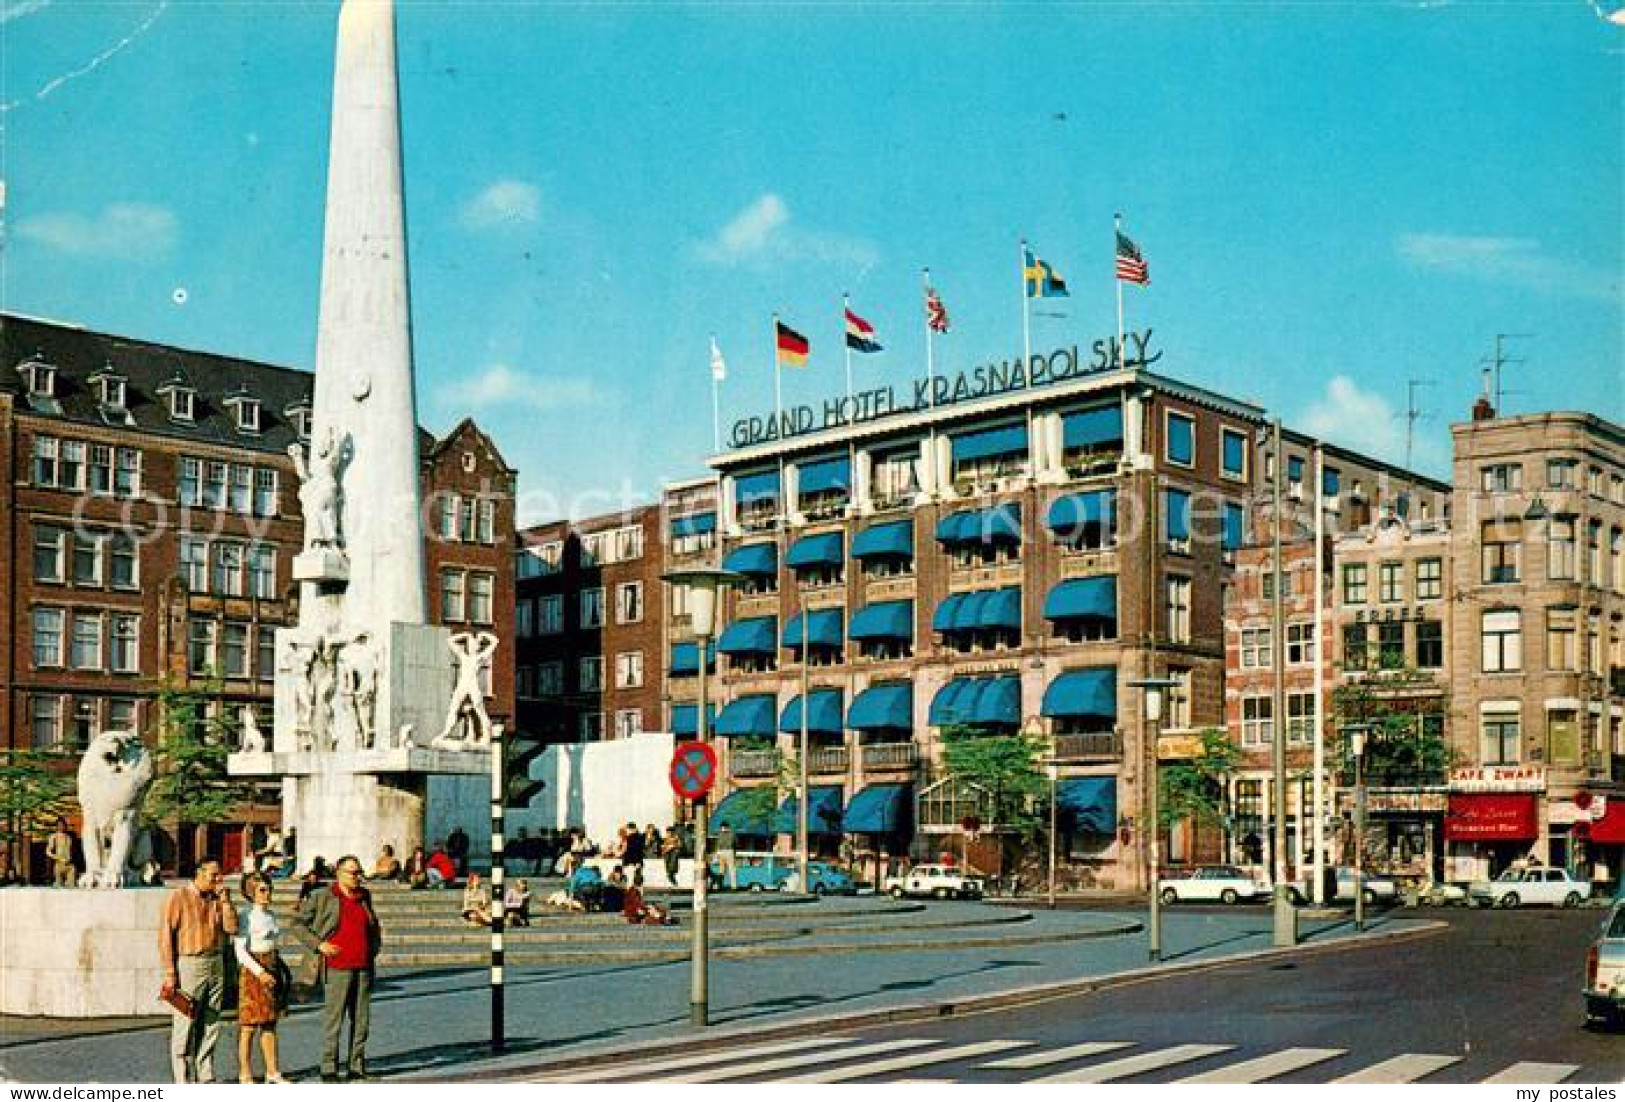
(1042,280)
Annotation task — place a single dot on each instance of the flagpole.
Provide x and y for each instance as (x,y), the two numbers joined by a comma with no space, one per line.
(778,381)
(846,308)
(716,401)
(930,345)
(1026,312)
(1117,230)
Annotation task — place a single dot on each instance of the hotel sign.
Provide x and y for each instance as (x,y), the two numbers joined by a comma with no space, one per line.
(985,381)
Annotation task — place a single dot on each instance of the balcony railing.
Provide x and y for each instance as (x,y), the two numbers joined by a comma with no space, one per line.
(1098,746)
(890,755)
(829,759)
(754,763)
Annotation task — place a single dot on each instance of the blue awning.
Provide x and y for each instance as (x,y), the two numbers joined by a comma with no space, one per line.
(731,813)
(1088,693)
(818,475)
(1177,514)
(758,486)
(986,443)
(999,524)
(878,809)
(695,524)
(884,620)
(1090,803)
(987,608)
(1092,428)
(951,705)
(885,707)
(895,539)
(756,559)
(1083,599)
(823,811)
(823,629)
(757,635)
(977,701)
(824,549)
(685,658)
(1070,515)
(823,718)
(685,719)
(950,613)
(749,717)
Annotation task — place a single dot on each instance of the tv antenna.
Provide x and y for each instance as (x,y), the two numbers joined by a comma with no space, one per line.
(1500,360)
(1413,414)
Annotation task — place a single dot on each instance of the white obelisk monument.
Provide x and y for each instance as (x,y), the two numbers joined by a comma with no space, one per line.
(364,682)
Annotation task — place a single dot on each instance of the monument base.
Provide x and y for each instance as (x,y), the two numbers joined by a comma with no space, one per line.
(80,953)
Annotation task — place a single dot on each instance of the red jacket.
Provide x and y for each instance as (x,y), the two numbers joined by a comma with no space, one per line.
(442,865)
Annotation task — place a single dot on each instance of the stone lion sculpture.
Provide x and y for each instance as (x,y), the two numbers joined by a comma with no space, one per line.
(113,780)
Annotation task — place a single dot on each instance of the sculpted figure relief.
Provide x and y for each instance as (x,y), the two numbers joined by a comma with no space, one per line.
(319,493)
(315,685)
(358,686)
(468,724)
(114,776)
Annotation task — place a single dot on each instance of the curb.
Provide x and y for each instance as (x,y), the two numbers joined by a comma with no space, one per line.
(914,1012)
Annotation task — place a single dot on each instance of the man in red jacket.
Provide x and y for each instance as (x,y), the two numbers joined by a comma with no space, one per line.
(339,924)
(441,870)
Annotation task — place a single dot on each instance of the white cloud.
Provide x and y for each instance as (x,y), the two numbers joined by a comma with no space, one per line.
(20,8)
(128,230)
(503,385)
(1356,419)
(504,203)
(1520,261)
(764,231)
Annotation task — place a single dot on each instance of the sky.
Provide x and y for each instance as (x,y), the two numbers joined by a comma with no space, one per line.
(1334,200)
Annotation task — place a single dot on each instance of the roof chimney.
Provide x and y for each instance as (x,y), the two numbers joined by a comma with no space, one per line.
(1482,409)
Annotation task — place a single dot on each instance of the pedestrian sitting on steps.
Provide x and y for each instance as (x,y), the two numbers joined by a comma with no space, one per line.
(476,902)
(516,903)
(636,910)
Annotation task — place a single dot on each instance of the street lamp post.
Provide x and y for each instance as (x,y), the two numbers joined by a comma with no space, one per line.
(703,584)
(1357,737)
(802,841)
(1154,688)
(1054,784)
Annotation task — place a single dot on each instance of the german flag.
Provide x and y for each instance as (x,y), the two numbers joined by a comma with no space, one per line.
(792,346)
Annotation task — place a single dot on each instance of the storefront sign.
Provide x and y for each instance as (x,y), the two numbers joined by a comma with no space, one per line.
(1178,747)
(1559,812)
(1399,801)
(1387,615)
(985,381)
(1499,778)
(1492,818)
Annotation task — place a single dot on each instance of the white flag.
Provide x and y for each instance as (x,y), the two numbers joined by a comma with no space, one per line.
(719,369)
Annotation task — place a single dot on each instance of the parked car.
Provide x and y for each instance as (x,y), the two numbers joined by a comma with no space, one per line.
(936,881)
(1516,887)
(823,879)
(1605,968)
(1442,894)
(776,872)
(1375,887)
(1213,884)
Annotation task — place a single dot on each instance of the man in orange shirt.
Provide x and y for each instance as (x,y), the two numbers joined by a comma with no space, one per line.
(193,930)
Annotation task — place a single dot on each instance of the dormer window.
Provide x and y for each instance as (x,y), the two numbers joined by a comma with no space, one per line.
(245,409)
(38,376)
(181,404)
(110,387)
(298,416)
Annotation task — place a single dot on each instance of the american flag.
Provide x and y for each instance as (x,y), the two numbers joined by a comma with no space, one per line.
(1131,266)
(936,314)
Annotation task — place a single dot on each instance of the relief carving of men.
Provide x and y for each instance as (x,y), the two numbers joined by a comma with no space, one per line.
(358,685)
(468,724)
(319,493)
(315,684)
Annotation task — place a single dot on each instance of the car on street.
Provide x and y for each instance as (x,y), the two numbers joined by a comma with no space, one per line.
(1213,884)
(936,881)
(1605,968)
(1375,888)
(1537,886)
(1443,894)
(777,872)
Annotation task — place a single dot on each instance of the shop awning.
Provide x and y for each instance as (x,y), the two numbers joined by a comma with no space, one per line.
(878,809)
(1083,599)
(757,486)
(685,719)
(1090,803)
(823,629)
(884,620)
(823,718)
(817,475)
(1092,428)
(950,614)
(749,717)
(977,701)
(998,524)
(1610,829)
(888,706)
(1492,817)
(685,658)
(1068,516)
(731,812)
(823,811)
(987,608)
(824,549)
(695,524)
(754,636)
(987,443)
(1081,693)
(893,540)
(757,559)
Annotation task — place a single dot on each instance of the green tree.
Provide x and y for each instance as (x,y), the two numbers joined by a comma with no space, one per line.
(761,802)
(1194,789)
(1404,717)
(194,736)
(1009,768)
(35,790)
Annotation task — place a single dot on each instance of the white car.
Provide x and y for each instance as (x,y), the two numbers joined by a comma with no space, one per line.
(1214,884)
(936,881)
(1516,887)
(1375,887)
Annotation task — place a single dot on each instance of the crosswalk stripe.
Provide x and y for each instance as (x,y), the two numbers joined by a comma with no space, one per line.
(676,1063)
(1266,1067)
(1134,1065)
(903,1063)
(1057,1055)
(1405,1068)
(1529,1072)
(784,1063)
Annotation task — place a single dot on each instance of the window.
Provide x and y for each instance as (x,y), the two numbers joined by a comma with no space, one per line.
(590,675)
(1179,701)
(524,682)
(1267,583)
(1560,549)
(466,513)
(1502,478)
(1503,641)
(242,489)
(1594,642)
(524,618)
(550,614)
(628,722)
(127,473)
(450,508)
(629,670)
(1594,571)
(1501,540)
(451,595)
(101,469)
(486,521)
(1356,655)
(550,679)
(234,650)
(1429,579)
(124,558)
(228,569)
(592,726)
(1179,610)
(215,477)
(195,564)
(592,607)
(1501,739)
(48,623)
(1234,533)
(1594,484)
(1300,716)
(1233,454)
(1294,477)
(896,477)
(1176,519)
(262,571)
(265,652)
(88,559)
(1181,439)
(1354,583)
(628,544)
(1616,552)
(1255,648)
(1562,639)
(47,450)
(45,721)
(1300,644)
(1429,645)
(248,416)
(481,589)
(121,715)
(1561,474)
(629,603)
(50,551)
(550,557)
(1391,645)
(265,492)
(200,636)
(72,474)
(124,655)
(1390,582)
(1563,736)
(190,483)
(1256,725)
(180,404)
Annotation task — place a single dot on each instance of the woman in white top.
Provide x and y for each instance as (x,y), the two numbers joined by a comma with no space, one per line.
(262,980)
